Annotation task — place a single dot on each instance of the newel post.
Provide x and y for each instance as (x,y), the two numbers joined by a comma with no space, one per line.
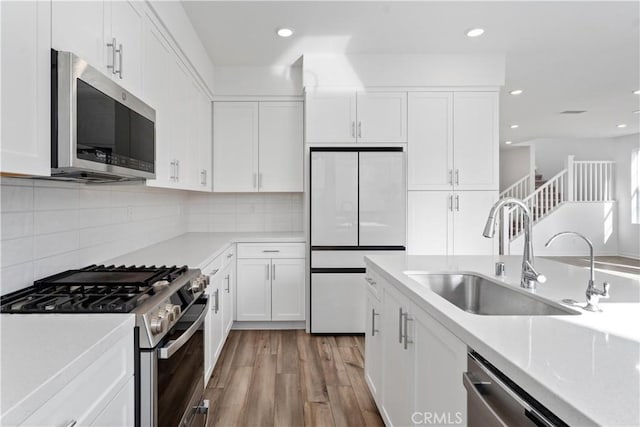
(570,177)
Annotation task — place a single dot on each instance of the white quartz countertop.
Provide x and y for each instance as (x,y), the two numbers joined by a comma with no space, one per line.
(198,249)
(41,353)
(584,368)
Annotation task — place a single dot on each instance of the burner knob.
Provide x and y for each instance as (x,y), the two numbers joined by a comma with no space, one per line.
(172,312)
(205,281)
(197,285)
(158,323)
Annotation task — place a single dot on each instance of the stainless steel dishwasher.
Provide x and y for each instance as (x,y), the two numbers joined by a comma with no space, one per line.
(493,400)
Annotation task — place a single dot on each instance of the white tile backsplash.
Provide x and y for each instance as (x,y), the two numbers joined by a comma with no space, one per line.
(51,226)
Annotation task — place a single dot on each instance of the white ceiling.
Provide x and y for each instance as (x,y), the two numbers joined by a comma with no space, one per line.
(574,55)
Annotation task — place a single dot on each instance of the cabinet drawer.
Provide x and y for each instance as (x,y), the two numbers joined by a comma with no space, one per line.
(271,250)
(347,259)
(89,393)
(374,282)
(214,266)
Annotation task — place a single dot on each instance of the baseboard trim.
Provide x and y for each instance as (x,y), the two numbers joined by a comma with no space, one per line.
(268,325)
(632,256)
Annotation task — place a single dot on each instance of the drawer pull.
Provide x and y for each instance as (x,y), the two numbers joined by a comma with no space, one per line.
(71,424)
(267,251)
(229,255)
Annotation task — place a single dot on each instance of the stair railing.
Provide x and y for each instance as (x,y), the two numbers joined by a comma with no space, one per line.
(592,181)
(520,189)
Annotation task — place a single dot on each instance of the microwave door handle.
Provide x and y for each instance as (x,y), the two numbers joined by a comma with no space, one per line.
(175,345)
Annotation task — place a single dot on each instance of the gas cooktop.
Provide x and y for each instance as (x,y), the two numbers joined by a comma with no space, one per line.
(93,289)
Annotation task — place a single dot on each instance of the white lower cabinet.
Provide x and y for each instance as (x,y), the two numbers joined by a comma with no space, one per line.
(121,410)
(413,364)
(269,287)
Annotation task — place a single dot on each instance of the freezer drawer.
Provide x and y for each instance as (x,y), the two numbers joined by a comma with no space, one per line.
(338,302)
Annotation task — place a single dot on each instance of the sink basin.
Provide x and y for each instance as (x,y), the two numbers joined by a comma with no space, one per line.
(477,295)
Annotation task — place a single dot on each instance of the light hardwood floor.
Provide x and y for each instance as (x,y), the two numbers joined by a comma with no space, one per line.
(290,378)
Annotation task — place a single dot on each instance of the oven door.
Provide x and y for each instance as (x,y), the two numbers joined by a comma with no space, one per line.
(180,368)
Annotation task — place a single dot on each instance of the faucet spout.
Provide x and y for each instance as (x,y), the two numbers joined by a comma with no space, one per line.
(529,276)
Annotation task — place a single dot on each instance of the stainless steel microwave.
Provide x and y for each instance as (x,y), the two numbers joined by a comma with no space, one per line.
(100,132)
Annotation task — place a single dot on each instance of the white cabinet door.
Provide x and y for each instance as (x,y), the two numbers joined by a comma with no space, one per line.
(287,289)
(235,146)
(334,198)
(204,141)
(430,145)
(382,117)
(440,360)
(330,117)
(216,331)
(228,293)
(121,410)
(156,56)
(471,209)
(337,303)
(398,368)
(475,145)
(373,348)
(126,23)
(430,223)
(253,285)
(79,27)
(382,199)
(281,147)
(25,32)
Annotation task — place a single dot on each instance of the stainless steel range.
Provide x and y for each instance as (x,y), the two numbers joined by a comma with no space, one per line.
(169,305)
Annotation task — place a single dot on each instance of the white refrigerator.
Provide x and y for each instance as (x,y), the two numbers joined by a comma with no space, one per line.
(358,207)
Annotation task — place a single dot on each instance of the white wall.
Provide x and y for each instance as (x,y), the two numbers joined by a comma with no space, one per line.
(628,233)
(419,70)
(50,226)
(597,221)
(551,154)
(515,163)
(245,212)
(258,81)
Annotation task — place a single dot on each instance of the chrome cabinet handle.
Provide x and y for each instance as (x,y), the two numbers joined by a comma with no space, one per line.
(457,176)
(229,255)
(120,61)
(203,177)
(359,129)
(267,251)
(228,279)
(171,170)
(353,129)
(112,45)
(451,202)
(72,423)
(373,322)
(400,325)
(178,170)
(370,281)
(406,339)
(457,203)
(216,296)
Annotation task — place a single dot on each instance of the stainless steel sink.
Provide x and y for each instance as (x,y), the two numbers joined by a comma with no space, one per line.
(477,295)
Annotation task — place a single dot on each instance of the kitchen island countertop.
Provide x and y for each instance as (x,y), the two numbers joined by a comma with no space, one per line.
(585,368)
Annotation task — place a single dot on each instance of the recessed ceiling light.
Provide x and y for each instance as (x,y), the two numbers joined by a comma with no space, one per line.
(622,126)
(508,142)
(475,32)
(514,126)
(516,92)
(285,32)
(636,112)
(636,92)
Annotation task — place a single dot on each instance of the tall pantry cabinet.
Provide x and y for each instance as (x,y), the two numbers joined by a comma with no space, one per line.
(452,172)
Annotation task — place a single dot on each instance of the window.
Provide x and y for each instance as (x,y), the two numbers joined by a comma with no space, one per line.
(635,186)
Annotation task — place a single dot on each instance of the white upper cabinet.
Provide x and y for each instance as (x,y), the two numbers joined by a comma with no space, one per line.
(475,148)
(126,24)
(25,138)
(453,141)
(89,30)
(281,149)
(331,117)
(382,117)
(430,147)
(257,146)
(349,117)
(235,146)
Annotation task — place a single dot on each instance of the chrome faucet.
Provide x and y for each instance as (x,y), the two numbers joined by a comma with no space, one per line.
(529,276)
(593,294)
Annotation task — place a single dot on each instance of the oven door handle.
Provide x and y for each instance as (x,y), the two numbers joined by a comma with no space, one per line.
(175,345)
